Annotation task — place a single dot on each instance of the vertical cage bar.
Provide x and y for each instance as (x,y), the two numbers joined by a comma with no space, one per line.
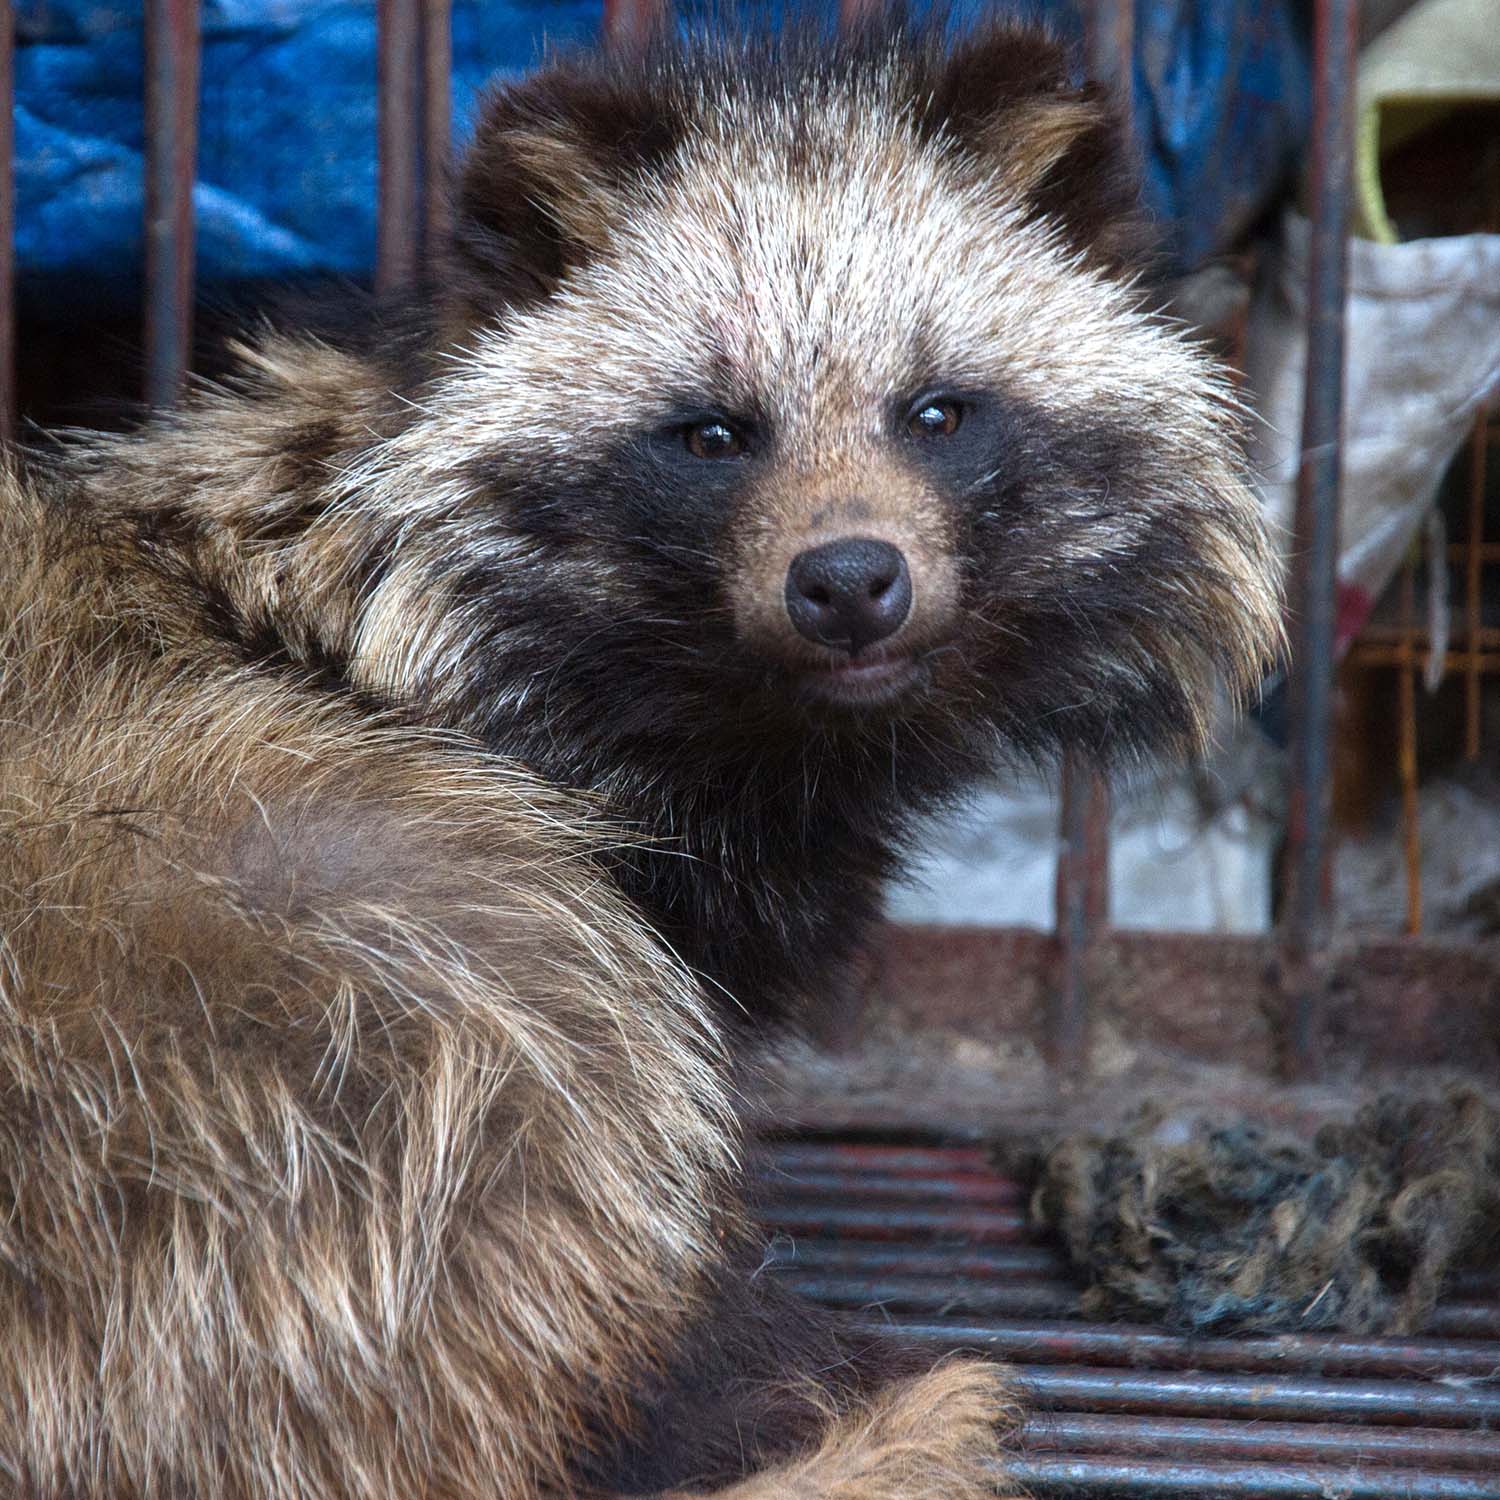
(398,234)
(172,49)
(1083,820)
(1406,754)
(437,123)
(628,23)
(1479,444)
(7,222)
(1306,910)
(1082,907)
(1110,44)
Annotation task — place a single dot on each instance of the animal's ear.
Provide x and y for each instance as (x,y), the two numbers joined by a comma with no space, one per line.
(546,180)
(1008,95)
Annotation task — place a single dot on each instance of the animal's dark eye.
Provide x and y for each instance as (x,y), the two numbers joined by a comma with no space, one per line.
(713,439)
(937,418)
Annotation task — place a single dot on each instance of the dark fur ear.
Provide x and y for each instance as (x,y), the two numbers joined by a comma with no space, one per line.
(1008,95)
(544,181)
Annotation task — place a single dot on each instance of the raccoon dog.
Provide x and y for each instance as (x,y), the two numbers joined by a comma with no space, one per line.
(426,757)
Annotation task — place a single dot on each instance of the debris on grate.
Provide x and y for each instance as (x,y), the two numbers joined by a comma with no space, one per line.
(1216,1227)
(933,1242)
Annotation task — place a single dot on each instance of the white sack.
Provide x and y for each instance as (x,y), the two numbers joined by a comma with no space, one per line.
(1423,351)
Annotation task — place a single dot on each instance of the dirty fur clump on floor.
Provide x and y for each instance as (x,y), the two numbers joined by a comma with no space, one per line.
(1222,1227)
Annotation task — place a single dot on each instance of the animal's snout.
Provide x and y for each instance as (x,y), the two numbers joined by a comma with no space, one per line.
(849,593)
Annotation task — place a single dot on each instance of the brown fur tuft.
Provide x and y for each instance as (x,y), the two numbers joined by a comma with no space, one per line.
(935,1437)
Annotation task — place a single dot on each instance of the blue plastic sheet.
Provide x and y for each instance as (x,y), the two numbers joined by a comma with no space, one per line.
(287,136)
(1223,106)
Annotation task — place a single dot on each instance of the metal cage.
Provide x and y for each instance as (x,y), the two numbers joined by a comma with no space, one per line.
(886,1210)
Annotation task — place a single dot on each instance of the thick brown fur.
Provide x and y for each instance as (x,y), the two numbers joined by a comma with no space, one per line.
(411,777)
(328,1058)
(933,1436)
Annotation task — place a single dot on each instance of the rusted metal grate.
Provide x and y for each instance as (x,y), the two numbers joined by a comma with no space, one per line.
(933,1241)
(1408,648)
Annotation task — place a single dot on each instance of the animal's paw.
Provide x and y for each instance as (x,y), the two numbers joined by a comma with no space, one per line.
(939,1436)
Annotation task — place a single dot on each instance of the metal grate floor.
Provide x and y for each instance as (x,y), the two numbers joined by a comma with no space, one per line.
(933,1240)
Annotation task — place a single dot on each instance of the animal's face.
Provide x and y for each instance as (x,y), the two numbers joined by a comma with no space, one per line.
(824,403)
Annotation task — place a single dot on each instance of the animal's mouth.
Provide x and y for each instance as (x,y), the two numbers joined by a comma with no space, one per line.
(863,681)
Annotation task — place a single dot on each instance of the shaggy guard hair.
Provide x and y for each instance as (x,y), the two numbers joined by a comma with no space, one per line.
(412,775)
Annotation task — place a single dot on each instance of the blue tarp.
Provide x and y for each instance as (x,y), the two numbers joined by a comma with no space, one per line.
(1224,102)
(287,160)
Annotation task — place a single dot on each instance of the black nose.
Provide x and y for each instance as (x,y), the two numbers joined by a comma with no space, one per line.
(848,593)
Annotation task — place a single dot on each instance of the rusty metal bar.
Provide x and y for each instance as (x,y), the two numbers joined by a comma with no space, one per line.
(1111,1478)
(1042,1298)
(954,1187)
(1484,662)
(1289,1398)
(628,23)
(918,1294)
(1393,635)
(984,1226)
(1478,551)
(827,1156)
(877,1259)
(1464,1320)
(874,1258)
(1082,907)
(1406,755)
(1306,908)
(172,36)
(1487,552)
(398,235)
(1479,447)
(7,223)
(1204,1437)
(1083,816)
(851,12)
(415,128)
(1110,41)
(437,124)
(1136,1346)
